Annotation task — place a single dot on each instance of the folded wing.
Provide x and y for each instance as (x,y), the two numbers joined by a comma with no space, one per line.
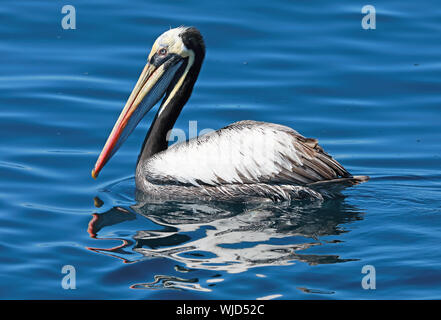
(245,152)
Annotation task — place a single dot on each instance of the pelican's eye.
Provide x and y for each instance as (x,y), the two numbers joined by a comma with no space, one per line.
(162,52)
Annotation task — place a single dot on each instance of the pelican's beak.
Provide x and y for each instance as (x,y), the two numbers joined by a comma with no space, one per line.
(151,86)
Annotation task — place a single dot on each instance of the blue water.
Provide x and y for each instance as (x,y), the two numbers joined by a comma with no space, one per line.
(371,97)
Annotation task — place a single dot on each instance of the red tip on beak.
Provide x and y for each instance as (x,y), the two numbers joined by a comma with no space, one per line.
(108,147)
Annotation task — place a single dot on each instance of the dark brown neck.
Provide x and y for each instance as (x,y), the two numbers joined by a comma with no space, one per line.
(156,138)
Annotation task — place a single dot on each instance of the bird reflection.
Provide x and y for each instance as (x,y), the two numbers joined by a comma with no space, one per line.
(113,216)
(226,237)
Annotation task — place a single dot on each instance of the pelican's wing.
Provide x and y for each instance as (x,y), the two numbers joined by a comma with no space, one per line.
(245,152)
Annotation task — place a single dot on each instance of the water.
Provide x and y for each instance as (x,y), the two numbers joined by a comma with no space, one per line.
(371,97)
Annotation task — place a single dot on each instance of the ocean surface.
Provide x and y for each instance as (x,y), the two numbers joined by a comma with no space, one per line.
(371,97)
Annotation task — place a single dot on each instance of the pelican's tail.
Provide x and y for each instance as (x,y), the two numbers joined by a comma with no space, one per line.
(360,179)
(333,187)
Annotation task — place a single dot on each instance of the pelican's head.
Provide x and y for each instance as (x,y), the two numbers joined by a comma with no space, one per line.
(171,71)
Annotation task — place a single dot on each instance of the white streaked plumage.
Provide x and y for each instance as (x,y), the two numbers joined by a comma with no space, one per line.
(244,152)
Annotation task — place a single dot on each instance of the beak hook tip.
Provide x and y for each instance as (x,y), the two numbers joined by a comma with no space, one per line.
(94,174)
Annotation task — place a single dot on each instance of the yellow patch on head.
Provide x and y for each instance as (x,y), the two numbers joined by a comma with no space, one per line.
(171,41)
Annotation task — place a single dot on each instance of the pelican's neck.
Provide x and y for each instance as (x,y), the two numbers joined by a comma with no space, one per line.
(156,138)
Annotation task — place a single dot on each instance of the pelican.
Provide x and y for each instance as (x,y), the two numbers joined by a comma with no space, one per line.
(246,160)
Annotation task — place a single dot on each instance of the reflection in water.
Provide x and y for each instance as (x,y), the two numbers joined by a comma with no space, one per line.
(224,237)
(113,216)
